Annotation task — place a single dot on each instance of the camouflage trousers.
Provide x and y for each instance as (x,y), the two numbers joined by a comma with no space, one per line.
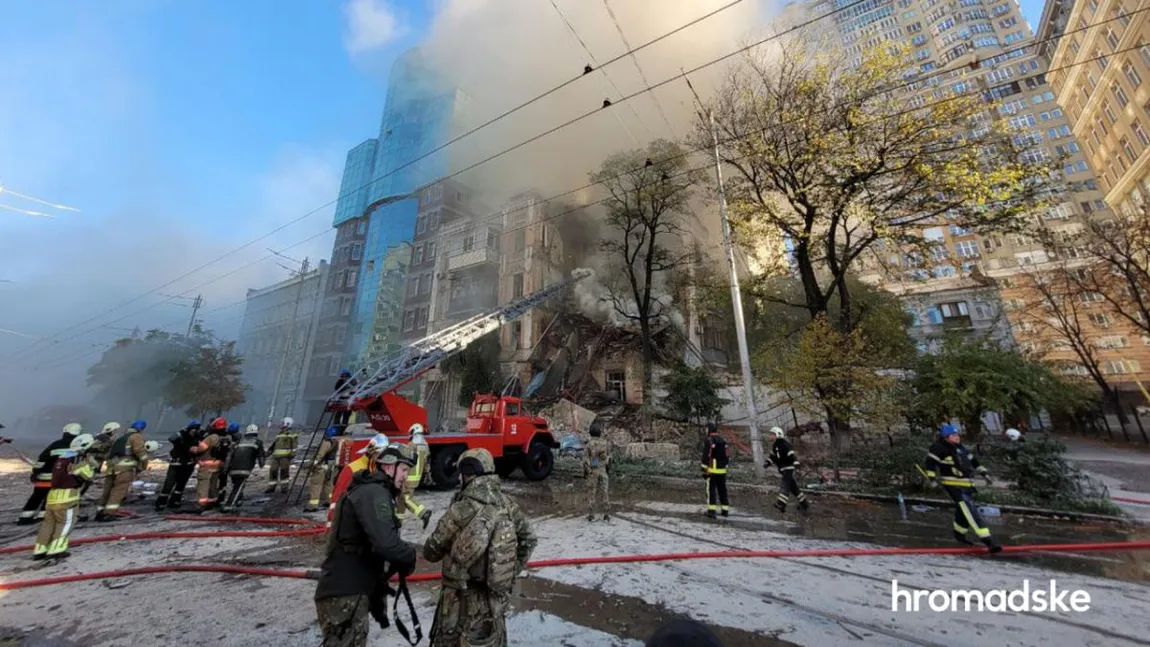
(598,482)
(470,617)
(343,620)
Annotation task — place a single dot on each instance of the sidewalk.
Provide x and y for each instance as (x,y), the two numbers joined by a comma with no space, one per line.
(1125,471)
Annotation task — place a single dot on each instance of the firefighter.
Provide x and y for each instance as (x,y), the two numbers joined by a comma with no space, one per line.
(69,473)
(364,547)
(180,466)
(953,467)
(42,474)
(101,445)
(282,450)
(228,442)
(714,465)
(210,455)
(319,480)
(346,472)
(342,414)
(414,478)
(246,454)
(783,457)
(596,465)
(127,458)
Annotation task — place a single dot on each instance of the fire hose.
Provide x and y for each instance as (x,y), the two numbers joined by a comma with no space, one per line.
(309,527)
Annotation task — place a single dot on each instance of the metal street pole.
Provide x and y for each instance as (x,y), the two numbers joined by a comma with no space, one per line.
(196,305)
(737,302)
(287,346)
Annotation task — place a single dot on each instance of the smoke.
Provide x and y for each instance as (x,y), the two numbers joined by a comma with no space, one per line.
(594,299)
(502,53)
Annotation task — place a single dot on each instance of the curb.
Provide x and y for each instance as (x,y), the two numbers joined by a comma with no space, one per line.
(1040,512)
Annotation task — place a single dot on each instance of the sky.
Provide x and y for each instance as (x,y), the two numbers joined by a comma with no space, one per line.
(180,130)
(184,129)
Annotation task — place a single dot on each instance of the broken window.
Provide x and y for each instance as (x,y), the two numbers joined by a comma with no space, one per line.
(616,383)
(517,286)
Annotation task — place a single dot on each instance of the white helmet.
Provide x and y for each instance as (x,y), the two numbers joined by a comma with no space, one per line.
(73,428)
(151,446)
(416,429)
(110,428)
(375,446)
(288,422)
(1013,434)
(252,430)
(777,432)
(81,443)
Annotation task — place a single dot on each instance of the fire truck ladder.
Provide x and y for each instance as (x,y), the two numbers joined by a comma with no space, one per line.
(396,369)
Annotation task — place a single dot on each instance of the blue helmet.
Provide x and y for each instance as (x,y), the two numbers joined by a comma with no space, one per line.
(138,425)
(946,430)
(234,428)
(331,432)
(345,373)
(193,423)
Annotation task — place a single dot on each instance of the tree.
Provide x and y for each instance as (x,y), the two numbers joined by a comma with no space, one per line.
(136,371)
(208,381)
(1056,303)
(693,393)
(648,192)
(969,377)
(1118,251)
(477,367)
(824,154)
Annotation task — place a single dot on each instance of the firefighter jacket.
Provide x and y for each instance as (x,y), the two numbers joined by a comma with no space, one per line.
(69,474)
(42,468)
(421,453)
(325,455)
(596,455)
(128,453)
(715,455)
(207,453)
(364,540)
(952,465)
(182,443)
(480,492)
(245,455)
(98,452)
(783,456)
(285,443)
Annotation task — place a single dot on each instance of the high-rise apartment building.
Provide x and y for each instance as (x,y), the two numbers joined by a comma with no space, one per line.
(381,180)
(973,47)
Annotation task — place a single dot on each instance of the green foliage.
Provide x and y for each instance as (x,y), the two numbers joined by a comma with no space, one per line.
(477,366)
(1039,470)
(208,381)
(892,461)
(693,392)
(969,377)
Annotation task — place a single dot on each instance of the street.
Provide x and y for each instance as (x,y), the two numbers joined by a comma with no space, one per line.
(783,601)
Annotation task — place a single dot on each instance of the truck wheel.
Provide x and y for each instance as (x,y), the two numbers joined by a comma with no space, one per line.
(505,467)
(538,462)
(445,466)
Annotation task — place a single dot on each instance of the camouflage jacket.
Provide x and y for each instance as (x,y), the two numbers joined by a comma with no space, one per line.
(596,454)
(483,491)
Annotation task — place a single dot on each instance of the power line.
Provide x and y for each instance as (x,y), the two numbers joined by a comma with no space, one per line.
(690,151)
(635,60)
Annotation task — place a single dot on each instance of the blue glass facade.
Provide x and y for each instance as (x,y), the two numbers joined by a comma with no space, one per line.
(422,113)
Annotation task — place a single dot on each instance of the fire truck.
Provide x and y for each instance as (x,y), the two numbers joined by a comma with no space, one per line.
(497,423)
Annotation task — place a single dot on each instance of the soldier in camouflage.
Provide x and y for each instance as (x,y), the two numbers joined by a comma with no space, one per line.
(596,465)
(484,541)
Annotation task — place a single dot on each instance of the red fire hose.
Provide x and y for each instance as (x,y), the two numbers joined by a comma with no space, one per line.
(312,527)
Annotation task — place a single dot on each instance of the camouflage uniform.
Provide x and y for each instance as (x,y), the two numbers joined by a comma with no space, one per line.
(343,620)
(468,613)
(596,462)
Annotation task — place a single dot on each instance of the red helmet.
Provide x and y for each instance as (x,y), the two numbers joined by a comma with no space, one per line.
(219,423)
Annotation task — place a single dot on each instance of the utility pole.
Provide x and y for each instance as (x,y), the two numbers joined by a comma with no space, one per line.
(302,276)
(736,299)
(197,303)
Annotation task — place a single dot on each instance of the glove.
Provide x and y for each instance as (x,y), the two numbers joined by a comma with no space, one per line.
(406,569)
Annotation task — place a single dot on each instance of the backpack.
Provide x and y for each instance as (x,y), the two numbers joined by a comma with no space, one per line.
(487,548)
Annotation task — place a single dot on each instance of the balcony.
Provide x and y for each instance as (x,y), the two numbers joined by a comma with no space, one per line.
(472,258)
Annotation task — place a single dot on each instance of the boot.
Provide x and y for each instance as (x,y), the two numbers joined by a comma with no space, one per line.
(711,514)
(961,538)
(39,558)
(102,517)
(425,518)
(781,507)
(590,517)
(804,505)
(25,521)
(992,546)
(726,513)
(606,517)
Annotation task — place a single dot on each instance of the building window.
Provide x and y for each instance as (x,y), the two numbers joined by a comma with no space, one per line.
(421,225)
(425,284)
(516,334)
(1120,95)
(954,310)
(345,306)
(340,334)
(1131,75)
(1100,320)
(1128,150)
(517,286)
(1144,52)
(966,248)
(1109,111)
(469,242)
(408,320)
(520,241)
(421,317)
(352,276)
(1090,297)
(1112,40)
(1136,126)
(412,286)
(617,383)
(430,250)
(361,228)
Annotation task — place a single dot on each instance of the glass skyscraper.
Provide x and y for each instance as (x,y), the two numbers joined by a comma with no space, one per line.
(423,112)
